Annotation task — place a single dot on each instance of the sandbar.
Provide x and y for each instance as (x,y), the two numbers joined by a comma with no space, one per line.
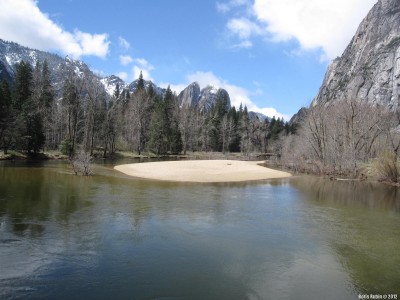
(206,171)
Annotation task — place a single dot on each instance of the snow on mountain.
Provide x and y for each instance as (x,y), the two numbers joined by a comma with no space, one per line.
(12,53)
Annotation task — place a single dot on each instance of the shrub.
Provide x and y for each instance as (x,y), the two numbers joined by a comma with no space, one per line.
(387,167)
(65,147)
(81,164)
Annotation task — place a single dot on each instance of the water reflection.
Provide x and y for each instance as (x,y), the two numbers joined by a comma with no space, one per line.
(362,222)
(369,195)
(111,236)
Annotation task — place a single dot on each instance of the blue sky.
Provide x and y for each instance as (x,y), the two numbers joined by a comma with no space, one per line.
(269,54)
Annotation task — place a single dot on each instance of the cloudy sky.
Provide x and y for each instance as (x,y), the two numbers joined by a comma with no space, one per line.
(270,55)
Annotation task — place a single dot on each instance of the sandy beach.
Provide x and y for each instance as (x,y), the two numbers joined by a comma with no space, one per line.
(202,171)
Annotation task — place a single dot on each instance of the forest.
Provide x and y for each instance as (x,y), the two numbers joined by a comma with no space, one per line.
(83,117)
(338,138)
(347,137)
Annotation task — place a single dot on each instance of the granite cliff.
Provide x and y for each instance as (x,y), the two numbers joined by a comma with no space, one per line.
(202,99)
(369,69)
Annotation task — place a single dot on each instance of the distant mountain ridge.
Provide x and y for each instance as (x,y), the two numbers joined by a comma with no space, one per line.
(12,53)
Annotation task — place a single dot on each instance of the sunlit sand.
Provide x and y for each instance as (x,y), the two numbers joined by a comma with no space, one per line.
(202,171)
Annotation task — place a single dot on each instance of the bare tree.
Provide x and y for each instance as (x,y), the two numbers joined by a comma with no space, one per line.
(81,163)
(137,119)
(72,106)
(341,135)
(94,93)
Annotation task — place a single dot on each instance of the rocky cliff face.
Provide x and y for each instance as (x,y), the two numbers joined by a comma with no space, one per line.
(369,68)
(209,96)
(190,95)
(12,53)
(203,99)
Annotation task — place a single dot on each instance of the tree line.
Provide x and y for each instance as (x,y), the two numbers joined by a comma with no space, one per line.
(343,138)
(84,117)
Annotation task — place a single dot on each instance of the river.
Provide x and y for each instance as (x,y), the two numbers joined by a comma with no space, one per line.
(109,236)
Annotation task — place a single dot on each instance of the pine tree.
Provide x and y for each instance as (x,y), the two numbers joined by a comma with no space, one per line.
(117,91)
(26,102)
(22,90)
(140,83)
(217,114)
(244,131)
(165,135)
(173,133)
(47,94)
(6,116)
(158,142)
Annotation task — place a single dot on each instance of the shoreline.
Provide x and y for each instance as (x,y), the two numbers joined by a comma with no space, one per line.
(202,171)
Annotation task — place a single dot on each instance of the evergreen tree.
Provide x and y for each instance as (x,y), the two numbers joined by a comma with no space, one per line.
(22,90)
(165,135)
(6,116)
(140,83)
(276,127)
(47,93)
(218,111)
(158,142)
(234,144)
(117,91)
(171,118)
(26,102)
(244,130)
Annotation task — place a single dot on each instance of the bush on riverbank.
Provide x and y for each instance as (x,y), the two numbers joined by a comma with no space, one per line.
(386,167)
(82,163)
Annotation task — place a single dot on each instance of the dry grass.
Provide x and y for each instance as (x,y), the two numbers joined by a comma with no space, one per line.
(386,167)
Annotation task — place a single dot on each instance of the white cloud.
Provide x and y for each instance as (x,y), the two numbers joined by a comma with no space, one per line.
(142,65)
(237,94)
(125,60)
(326,24)
(22,22)
(244,28)
(145,73)
(243,45)
(92,44)
(123,43)
(176,88)
(123,76)
(224,7)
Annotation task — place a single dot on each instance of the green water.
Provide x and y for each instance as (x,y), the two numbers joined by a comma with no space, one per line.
(112,237)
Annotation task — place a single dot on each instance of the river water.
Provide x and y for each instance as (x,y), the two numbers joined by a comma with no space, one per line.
(109,236)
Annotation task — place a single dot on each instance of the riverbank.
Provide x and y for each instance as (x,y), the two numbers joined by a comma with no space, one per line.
(205,171)
(17,155)
(54,154)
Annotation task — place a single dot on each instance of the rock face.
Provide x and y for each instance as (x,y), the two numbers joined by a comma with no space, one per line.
(369,68)
(12,53)
(190,96)
(147,83)
(203,99)
(209,96)
(110,84)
